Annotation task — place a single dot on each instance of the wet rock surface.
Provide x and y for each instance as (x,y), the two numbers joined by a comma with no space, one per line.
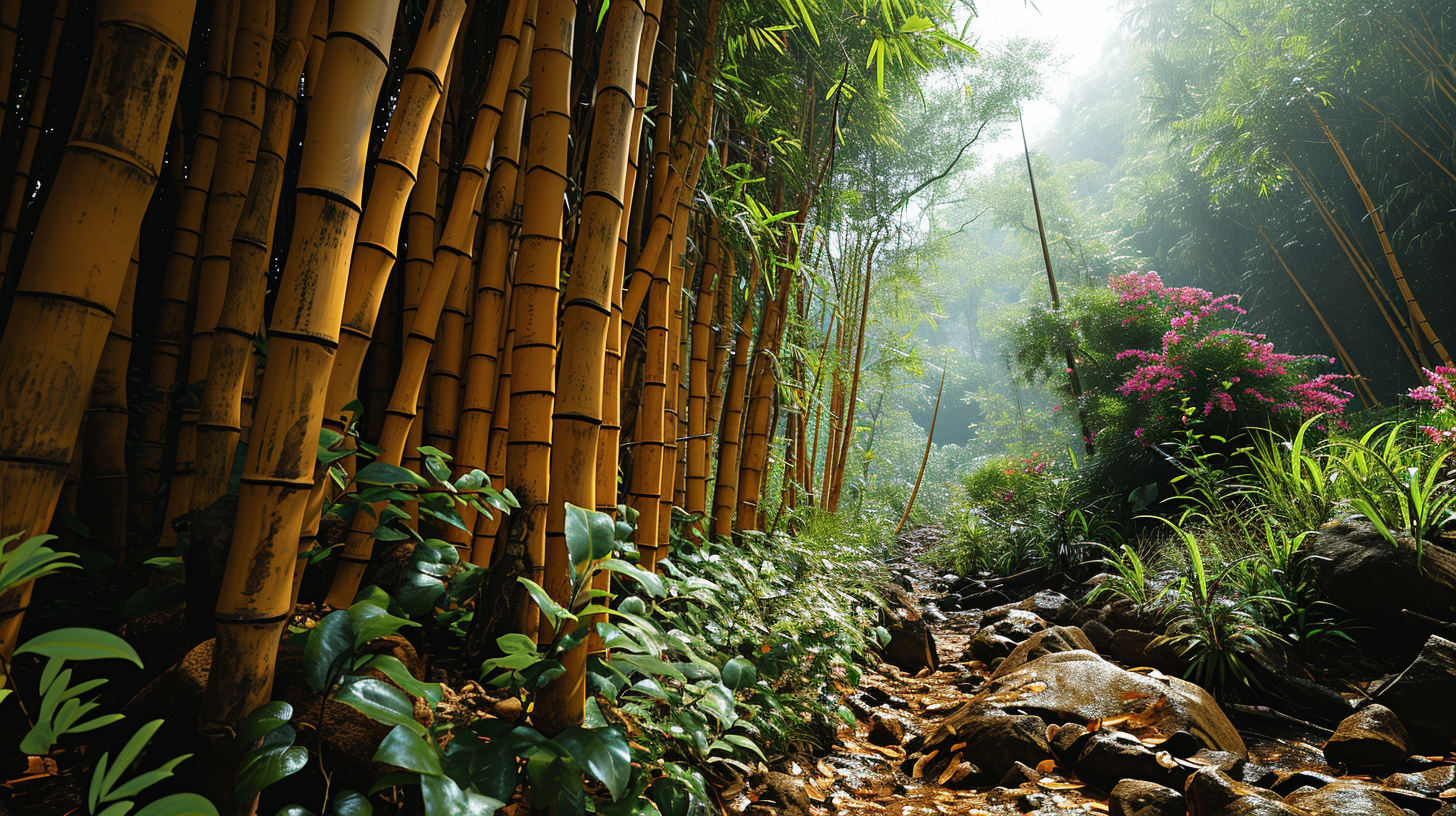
(1371,737)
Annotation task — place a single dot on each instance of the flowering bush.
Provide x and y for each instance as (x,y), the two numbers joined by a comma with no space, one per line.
(1153,358)
(1440,393)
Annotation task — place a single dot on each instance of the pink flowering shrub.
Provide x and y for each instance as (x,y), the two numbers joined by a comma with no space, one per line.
(1152,358)
(1439,393)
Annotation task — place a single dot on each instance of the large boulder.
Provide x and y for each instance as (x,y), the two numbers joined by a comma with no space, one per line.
(1422,697)
(1079,687)
(1371,737)
(1047,641)
(1374,580)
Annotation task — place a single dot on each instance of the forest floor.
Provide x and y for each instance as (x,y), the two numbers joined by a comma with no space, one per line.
(888,763)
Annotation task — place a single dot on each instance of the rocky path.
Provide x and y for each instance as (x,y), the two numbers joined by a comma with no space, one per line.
(1017,711)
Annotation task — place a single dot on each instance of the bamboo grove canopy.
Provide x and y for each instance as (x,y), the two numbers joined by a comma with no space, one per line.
(563,250)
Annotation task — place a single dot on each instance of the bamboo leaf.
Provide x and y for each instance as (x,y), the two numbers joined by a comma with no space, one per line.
(79,643)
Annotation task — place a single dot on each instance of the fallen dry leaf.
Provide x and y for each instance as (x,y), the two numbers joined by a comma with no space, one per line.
(1046,766)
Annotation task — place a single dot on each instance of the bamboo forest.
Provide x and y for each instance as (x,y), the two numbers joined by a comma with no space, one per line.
(727,407)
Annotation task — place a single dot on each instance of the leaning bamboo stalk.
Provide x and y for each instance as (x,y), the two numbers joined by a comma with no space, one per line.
(177,293)
(480,446)
(400,160)
(452,259)
(487,527)
(1367,396)
(1366,274)
(302,334)
(103,466)
(696,498)
(219,420)
(842,455)
(725,489)
(759,420)
(610,437)
(577,414)
(74,273)
(1417,316)
(30,136)
(929,441)
(536,289)
(237,151)
(442,403)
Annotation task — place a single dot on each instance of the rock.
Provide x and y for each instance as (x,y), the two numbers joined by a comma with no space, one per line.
(1371,737)
(1134,797)
(1360,571)
(993,743)
(1421,697)
(1137,648)
(1097,632)
(1047,605)
(1430,782)
(1068,741)
(1111,756)
(1079,687)
(1043,643)
(987,646)
(886,730)
(1346,799)
(912,645)
(1237,767)
(508,709)
(966,586)
(787,792)
(1211,792)
(1291,782)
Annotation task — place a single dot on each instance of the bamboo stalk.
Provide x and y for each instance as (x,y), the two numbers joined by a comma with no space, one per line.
(929,440)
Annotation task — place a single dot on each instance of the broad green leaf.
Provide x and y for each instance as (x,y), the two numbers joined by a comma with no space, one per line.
(330,644)
(516,643)
(405,748)
(79,643)
(370,622)
(554,612)
(179,804)
(352,803)
(654,584)
(380,702)
(444,798)
(267,764)
(264,718)
(391,667)
(739,673)
(602,752)
(383,473)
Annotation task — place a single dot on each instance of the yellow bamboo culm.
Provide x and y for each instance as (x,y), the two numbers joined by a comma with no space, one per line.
(535,290)
(697,467)
(103,444)
(240,303)
(176,294)
(577,418)
(30,137)
(302,333)
(725,489)
(452,258)
(237,150)
(484,365)
(74,273)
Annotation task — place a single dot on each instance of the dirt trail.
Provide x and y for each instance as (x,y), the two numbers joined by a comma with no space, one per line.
(868,772)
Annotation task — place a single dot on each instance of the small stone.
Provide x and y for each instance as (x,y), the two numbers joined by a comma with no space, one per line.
(1135,797)
(1371,737)
(508,709)
(1111,756)
(886,730)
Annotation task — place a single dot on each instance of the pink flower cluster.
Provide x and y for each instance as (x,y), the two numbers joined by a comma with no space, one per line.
(1440,392)
(1187,308)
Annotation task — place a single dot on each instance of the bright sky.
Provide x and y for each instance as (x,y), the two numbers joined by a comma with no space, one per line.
(1077,28)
